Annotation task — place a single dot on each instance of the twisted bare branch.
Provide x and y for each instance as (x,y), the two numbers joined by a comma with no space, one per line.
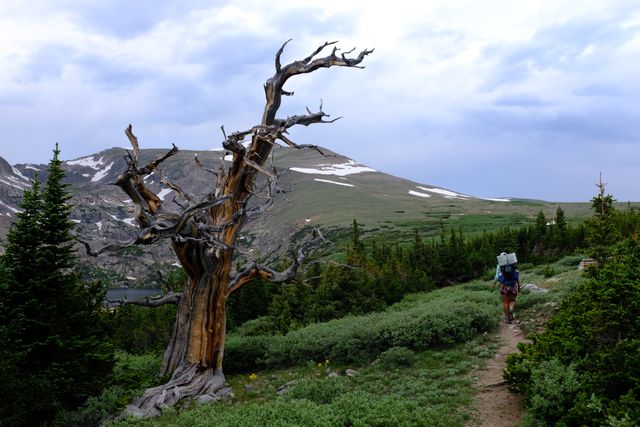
(168,298)
(274,86)
(202,166)
(188,197)
(112,247)
(253,269)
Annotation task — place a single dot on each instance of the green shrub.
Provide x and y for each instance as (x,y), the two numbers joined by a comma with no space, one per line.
(136,371)
(277,412)
(96,409)
(525,266)
(244,354)
(553,389)
(571,261)
(528,299)
(395,357)
(264,325)
(444,318)
(319,391)
(548,271)
(131,375)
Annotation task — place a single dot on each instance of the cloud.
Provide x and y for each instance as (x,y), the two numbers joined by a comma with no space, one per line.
(521,100)
(448,89)
(578,44)
(598,90)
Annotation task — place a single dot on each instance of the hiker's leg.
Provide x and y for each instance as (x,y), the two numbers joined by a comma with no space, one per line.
(512,304)
(505,305)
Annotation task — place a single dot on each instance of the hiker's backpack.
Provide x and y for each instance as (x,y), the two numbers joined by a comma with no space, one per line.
(508,264)
(509,273)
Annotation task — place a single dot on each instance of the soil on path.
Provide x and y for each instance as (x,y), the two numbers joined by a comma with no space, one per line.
(495,405)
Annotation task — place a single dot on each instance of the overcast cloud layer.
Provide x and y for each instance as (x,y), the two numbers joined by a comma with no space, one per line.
(525,99)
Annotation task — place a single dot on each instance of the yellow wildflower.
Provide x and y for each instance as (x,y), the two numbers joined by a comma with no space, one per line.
(253,377)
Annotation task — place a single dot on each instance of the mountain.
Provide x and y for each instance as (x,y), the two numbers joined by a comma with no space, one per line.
(12,184)
(327,191)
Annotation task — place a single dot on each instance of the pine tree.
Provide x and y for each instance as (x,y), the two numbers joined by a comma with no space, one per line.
(540,227)
(562,230)
(602,231)
(54,356)
(355,252)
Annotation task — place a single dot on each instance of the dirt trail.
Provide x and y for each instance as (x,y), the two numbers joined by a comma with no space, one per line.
(495,405)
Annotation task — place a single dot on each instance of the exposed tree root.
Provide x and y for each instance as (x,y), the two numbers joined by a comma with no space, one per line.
(187,382)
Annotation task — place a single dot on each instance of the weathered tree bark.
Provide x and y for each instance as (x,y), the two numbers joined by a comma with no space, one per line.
(203,236)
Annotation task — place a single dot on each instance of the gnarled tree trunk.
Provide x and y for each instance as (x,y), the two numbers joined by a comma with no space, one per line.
(203,236)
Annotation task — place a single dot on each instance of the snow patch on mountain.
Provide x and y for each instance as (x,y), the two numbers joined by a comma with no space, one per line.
(333,182)
(101,173)
(87,162)
(419,194)
(99,165)
(337,169)
(495,200)
(14,182)
(19,174)
(446,193)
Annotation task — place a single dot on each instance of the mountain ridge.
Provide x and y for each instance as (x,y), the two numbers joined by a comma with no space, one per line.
(316,190)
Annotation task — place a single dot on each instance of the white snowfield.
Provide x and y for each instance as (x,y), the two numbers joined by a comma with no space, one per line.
(337,169)
(494,200)
(101,173)
(419,194)
(14,182)
(91,162)
(88,162)
(19,174)
(446,193)
(333,182)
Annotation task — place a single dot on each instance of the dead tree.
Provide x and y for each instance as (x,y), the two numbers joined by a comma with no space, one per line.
(203,234)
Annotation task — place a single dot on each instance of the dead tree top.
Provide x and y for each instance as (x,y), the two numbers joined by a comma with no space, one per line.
(208,227)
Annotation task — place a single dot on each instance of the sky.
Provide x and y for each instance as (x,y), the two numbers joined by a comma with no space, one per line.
(528,99)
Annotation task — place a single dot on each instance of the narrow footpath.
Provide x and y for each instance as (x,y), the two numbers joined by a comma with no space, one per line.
(495,405)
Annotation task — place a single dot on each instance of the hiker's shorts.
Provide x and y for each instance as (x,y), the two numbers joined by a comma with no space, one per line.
(506,289)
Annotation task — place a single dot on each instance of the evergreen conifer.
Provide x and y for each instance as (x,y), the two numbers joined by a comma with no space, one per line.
(54,352)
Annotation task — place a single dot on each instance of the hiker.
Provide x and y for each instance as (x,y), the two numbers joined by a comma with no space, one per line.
(509,278)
